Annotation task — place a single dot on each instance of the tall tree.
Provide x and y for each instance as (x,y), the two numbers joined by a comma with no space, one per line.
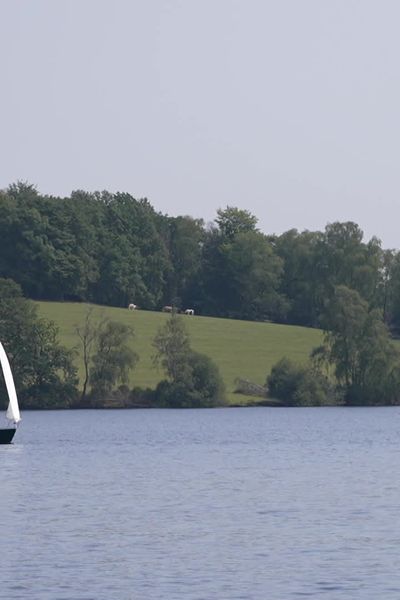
(390,289)
(172,347)
(348,261)
(87,333)
(252,274)
(185,241)
(357,344)
(241,276)
(301,282)
(316,262)
(232,221)
(113,358)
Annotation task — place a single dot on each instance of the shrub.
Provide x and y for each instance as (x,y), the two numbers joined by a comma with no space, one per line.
(284,380)
(202,386)
(299,385)
(141,398)
(314,389)
(207,381)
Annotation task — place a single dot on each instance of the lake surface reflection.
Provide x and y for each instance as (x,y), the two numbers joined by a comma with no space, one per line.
(228,504)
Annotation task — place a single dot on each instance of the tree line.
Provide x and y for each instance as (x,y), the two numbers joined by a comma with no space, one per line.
(112,249)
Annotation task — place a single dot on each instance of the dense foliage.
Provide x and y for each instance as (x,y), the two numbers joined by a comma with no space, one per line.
(358,364)
(113,249)
(107,357)
(299,385)
(113,358)
(357,345)
(43,369)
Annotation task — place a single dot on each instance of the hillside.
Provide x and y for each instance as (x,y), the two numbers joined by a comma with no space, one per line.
(240,348)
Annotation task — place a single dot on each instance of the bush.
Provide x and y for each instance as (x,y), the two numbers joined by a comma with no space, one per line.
(202,387)
(207,381)
(169,394)
(314,389)
(141,398)
(56,395)
(299,385)
(284,380)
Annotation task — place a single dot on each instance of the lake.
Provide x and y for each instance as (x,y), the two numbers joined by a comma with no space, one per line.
(246,503)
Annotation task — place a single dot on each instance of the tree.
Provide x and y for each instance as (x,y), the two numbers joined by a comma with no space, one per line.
(87,333)
(390,289)
(232,221)
(43,369)
(252,275)
(185,240)
(113,358)
(26,256)
(53,378)
(345,260)
(134,261)
(99,247)
(193,379)
(241,275)
(357,344)
(316,262)
(301,282)
(172,347)
(107,357)
(213,284)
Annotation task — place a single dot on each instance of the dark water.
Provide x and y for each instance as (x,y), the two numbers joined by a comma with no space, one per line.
(230,504)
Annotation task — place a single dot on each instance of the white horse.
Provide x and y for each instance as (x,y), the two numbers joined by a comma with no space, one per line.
(132,307)
(189,311)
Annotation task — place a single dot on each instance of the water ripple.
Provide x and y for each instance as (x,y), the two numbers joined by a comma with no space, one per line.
(228,504)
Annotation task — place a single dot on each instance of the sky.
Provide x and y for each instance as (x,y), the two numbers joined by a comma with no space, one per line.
(287,108)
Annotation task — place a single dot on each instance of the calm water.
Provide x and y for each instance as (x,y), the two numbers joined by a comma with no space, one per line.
(234,503)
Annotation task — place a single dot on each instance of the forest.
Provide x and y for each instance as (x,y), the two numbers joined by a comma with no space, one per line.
(113,250)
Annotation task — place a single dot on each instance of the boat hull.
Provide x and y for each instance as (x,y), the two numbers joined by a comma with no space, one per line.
(6,435)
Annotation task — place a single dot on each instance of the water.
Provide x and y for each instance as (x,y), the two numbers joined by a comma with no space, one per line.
(256,503)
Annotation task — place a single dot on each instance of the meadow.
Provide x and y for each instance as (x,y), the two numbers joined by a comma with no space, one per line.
(240,348)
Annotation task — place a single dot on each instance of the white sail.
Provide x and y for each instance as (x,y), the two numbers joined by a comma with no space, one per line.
(13,408)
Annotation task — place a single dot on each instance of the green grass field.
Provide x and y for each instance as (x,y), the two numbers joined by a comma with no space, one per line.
(240,348)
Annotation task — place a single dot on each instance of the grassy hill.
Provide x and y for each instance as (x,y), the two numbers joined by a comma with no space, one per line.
(240,348)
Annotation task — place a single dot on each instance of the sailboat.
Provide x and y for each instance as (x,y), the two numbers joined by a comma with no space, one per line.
(12,414)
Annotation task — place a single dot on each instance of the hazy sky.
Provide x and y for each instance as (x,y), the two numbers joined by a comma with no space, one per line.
(288,108)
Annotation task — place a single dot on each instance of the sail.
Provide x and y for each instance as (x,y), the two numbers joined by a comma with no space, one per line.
(13,408)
